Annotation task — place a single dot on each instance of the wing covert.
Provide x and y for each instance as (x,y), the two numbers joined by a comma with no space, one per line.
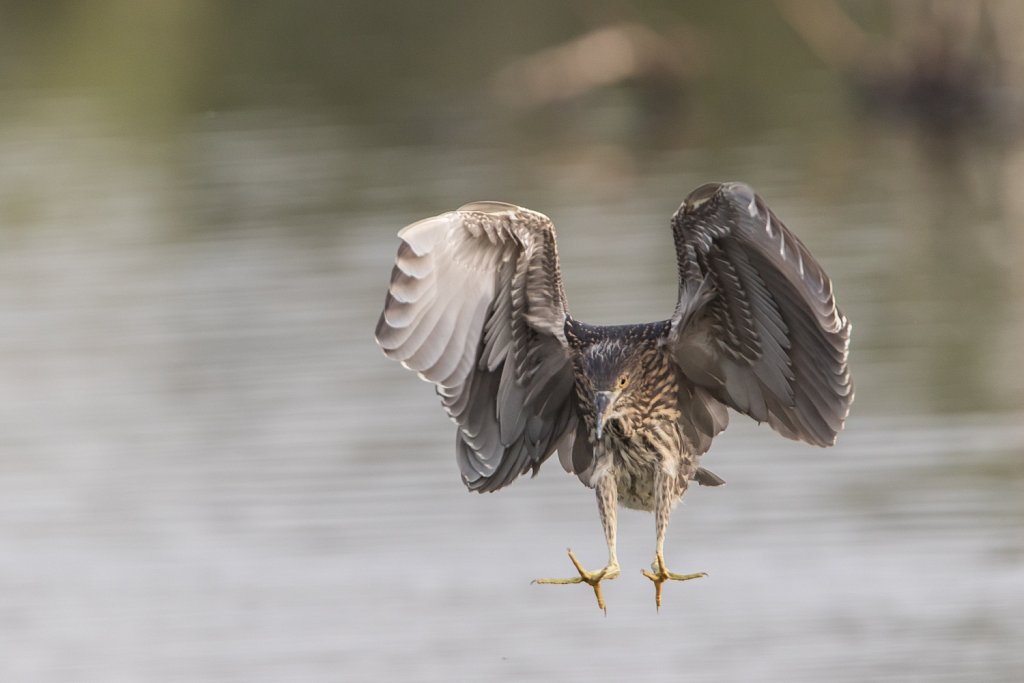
(757,323)
(476,307)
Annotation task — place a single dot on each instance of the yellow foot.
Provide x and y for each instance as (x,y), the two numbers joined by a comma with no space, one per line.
(591,578)
(660,575)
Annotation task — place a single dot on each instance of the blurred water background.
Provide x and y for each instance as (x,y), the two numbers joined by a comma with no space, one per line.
(208,472)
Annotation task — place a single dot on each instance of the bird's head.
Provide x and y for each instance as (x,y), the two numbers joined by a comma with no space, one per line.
(614,373)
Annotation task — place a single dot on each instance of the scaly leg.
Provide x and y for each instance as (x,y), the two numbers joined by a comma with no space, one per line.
(606,501)
(664,490)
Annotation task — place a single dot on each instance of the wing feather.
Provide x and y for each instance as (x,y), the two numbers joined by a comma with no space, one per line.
(757,324)
(476,307)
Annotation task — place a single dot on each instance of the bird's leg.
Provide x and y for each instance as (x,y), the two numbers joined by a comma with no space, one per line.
(607,497)
(664,492)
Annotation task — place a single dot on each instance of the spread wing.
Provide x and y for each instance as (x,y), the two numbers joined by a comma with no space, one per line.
(757,325)
(476,307)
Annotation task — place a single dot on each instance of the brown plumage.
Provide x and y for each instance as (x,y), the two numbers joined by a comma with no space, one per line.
(476,306)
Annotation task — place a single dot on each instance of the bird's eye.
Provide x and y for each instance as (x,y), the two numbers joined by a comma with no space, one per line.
(623,381)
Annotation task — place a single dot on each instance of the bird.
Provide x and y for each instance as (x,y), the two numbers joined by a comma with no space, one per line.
(477,307)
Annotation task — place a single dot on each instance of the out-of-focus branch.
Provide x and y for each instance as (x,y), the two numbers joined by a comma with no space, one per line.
(948,63)
(830,33)
(604,57)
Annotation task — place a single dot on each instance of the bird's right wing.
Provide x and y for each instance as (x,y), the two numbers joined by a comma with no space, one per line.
(476,306)
(757,325)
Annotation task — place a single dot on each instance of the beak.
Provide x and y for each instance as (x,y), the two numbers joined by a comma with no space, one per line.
(603,403)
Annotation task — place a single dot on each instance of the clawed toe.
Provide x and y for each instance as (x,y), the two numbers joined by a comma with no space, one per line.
(659,575)
(592,579)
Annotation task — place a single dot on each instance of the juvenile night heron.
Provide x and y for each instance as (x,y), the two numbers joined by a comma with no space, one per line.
(476,306)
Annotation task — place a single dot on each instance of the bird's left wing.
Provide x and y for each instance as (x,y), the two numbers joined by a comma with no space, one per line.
(476,306)
(757,325)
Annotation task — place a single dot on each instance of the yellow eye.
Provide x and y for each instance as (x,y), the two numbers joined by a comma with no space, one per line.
(623,381)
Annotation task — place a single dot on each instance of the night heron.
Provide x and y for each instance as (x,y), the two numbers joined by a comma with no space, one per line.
(476,306)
